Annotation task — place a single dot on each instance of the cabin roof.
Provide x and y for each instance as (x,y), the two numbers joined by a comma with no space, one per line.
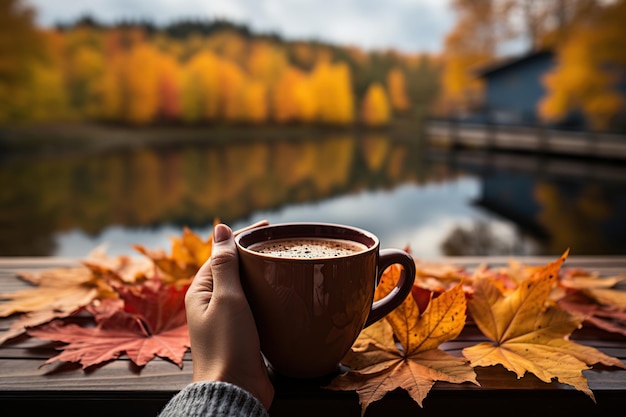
(509,63)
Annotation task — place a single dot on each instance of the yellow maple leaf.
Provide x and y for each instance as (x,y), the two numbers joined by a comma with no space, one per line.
(378,365)
(530,334)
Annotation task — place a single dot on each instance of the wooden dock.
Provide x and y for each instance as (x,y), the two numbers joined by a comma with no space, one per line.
(120,389)
(526,139)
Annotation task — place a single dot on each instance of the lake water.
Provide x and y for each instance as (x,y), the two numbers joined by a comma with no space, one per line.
(433,202)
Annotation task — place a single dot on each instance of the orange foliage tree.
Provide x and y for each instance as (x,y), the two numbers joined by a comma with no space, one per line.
(133,75)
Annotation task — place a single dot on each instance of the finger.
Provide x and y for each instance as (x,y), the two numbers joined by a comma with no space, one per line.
(225,262)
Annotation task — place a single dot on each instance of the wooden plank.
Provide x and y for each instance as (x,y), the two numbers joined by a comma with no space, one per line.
(119,387)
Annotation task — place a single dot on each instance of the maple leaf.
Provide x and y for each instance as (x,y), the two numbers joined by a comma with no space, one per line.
(529,334)
(59,293)
(121,269)
(607,318)
(377,365)
(439,277)
(151,323)
(189,252)
(594,297)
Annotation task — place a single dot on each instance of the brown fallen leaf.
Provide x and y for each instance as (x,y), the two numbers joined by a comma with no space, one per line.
(378,365)
(531,334)
(121,269)
(59,293)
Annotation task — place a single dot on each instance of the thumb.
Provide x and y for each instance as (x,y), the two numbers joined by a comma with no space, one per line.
(225,262)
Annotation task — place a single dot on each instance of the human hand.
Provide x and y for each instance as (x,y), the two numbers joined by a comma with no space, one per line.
(224,340)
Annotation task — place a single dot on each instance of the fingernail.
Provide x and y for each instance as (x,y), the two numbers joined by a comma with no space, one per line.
(221,233)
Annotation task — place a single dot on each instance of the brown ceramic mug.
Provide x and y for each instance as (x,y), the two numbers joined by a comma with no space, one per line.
(311,288)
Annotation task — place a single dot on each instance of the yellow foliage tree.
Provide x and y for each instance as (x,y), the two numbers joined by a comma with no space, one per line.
(232,84)
(293,99)
(201,87)
(48,100)
(19,47)
(591,64)
(376,110)
(140,77)
(306,102)
(45,93)
(255,102)
(110,87)
(396,86)
(333,91)
(266,62)
(284,102)
(472,42)
(86,67)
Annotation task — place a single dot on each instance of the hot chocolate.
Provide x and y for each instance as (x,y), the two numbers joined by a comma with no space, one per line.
(308,248)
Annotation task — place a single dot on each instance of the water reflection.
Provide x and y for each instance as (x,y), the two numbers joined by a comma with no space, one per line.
(436,204)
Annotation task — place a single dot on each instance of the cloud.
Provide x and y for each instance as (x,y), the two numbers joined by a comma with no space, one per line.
(407,25)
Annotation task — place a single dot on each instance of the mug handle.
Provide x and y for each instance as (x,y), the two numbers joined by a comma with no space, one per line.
(403,288)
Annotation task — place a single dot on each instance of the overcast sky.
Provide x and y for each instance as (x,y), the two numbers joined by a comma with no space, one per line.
(406,25)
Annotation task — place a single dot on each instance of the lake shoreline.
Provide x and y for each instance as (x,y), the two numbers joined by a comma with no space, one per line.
(52,139)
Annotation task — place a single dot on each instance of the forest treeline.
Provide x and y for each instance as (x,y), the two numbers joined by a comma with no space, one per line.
(219,72)
(209,71)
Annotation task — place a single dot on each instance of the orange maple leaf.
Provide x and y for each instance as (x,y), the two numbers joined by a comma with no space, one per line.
(189,252)
(529,333)
(59,293)
(151,323)
(377,365)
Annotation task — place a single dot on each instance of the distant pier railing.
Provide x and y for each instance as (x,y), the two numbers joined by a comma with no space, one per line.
(450,133)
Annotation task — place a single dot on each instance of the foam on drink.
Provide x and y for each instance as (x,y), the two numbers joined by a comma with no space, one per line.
(308,248)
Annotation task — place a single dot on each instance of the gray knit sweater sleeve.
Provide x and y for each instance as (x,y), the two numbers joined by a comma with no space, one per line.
(208,399)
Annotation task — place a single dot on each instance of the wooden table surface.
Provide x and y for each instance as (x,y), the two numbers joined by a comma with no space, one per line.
(120,388)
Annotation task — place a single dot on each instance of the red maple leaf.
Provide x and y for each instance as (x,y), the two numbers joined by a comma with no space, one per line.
(151,323)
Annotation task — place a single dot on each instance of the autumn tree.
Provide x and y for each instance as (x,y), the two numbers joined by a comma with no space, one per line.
(283,98)
(333,92)
(591,67)
(294,99)
(170,80)
(481,33)
(254,103)
(545,24)
(397,90)
(86,66)
(20,46)
(140,81)
(232,84)
(376,110)
(200,95)
(480,26)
